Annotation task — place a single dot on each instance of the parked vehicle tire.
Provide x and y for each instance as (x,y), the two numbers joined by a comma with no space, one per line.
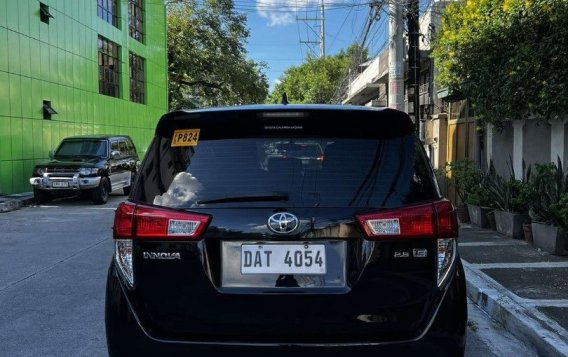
(42,196)
(99,195)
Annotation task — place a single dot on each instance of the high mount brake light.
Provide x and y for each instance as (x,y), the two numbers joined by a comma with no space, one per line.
(133,221)
(431,220)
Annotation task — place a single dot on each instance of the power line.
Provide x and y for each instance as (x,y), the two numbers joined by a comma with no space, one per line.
(309,22)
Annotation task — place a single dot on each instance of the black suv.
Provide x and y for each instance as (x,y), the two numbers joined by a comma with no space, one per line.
(94,164)
(229,242)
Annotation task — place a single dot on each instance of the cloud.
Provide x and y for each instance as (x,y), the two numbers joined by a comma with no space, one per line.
(283,12)
(277,82)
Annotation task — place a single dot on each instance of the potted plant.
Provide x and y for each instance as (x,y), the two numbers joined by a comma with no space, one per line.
(467,180)
(479,202)
(471,186)
(510,197)
(549,208)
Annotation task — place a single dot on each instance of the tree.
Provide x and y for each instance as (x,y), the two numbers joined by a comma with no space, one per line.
(207,57)
(507,56)
(318,79)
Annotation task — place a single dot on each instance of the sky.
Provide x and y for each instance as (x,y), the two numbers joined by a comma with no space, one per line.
(275,32)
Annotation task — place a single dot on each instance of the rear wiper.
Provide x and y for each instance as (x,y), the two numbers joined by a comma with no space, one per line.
(247,198)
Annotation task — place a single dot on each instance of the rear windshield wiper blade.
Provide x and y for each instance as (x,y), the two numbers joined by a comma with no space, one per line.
(247,198)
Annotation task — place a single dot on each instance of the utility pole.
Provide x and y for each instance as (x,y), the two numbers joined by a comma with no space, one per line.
(322,30)
(414,63)
(396,77)
(321,34)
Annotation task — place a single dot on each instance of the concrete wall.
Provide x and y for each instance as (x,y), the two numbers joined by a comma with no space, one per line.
(542,142)
(502,152)
(58,62)
(536,142)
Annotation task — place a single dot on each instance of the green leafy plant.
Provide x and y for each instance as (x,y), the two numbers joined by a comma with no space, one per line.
(549,184)
(468,181)
(559,212)
(507,50)
(208,64)
(509,194)
(480,195)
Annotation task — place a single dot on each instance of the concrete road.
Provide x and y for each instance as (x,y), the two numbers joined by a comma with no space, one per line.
(53,262)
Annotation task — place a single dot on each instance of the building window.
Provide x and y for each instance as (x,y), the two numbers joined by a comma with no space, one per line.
(109,66)
(136,19)
(136,78)
(108,11)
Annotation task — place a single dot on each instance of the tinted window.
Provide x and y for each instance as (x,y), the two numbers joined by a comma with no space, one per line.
(82,148)
(323,172)
(131,148)
(123,148)
(114,146)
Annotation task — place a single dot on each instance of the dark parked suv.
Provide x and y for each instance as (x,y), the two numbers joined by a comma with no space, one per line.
(228,243)
(94,165)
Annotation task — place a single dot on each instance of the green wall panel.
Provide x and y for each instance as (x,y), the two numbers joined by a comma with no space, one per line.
(6,176)
(4,94)
(17,132)
(5,139)
(59,62)
(15,95)
(4,45)
(13,52)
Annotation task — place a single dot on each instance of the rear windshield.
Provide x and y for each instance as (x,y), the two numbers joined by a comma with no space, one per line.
(299,172)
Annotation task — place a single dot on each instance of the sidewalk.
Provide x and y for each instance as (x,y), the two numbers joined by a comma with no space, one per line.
(522,288)
(16,201)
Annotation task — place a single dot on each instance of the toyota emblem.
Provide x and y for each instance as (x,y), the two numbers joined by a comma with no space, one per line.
(283,222)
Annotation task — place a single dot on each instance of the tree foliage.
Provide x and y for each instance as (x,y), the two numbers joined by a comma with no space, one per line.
(207,57)
(318,79)
(507,56)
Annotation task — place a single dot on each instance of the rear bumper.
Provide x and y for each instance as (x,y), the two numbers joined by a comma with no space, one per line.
(444,334)
(65,183)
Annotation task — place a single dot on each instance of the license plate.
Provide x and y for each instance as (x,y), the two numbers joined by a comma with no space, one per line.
(60,184)
(283,259)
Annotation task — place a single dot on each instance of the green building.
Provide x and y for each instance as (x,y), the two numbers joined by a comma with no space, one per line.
(74,67)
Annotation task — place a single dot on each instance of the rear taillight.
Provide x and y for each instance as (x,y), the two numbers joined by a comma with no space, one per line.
(408,222)
(132,222)
(151,223)
(427,221)
(123,216)
(123,260)
(447,220)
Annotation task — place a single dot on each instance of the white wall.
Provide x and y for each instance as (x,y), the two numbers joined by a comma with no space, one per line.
(536,143)
(502,150)
(541,142)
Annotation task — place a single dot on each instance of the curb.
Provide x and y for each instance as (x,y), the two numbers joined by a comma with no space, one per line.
(525,323)
(12,203)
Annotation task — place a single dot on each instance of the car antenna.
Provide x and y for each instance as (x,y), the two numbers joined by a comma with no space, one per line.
(284,98)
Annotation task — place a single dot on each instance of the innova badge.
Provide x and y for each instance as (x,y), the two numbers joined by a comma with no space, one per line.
(283,222)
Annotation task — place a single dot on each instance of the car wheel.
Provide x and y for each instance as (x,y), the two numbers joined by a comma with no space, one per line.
(42,196)
(99,195)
